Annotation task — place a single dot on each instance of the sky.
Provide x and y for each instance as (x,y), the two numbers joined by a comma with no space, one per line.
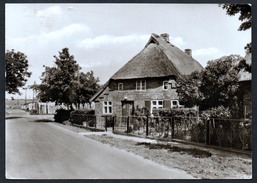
(104,37)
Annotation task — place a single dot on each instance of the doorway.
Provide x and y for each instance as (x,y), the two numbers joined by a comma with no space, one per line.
(127,108)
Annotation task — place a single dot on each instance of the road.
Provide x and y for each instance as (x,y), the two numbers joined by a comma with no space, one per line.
(43,150)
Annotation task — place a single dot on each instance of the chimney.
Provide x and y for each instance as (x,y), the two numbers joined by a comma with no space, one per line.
(189,52)
(165,36)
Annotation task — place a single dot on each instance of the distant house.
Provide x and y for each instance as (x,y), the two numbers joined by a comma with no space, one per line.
(147,80)
(245,95)
(29,105)
(46,107)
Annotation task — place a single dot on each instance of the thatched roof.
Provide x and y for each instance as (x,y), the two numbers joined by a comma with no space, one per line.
(159,58)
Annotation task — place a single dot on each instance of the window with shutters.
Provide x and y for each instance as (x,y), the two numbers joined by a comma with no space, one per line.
(107,107)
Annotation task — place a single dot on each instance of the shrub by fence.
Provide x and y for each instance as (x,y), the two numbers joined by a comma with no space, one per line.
(62,115)
(88,119)
(79,116)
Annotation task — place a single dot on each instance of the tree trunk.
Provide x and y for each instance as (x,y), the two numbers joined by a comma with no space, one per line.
(71,107)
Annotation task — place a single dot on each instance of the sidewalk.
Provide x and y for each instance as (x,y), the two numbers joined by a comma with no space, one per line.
(178,144)
(110,133)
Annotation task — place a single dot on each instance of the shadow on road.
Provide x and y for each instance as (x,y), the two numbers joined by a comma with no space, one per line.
(13,117)
(42,120)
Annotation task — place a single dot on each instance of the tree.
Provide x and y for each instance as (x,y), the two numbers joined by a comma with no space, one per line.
(64,83)
(84,87)
(16,70)
(188,90)
(220,82)
(245,11)
(215,86)
(245,14)
(57,80)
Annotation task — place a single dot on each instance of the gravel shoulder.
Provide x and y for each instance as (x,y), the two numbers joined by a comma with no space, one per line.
(217,165)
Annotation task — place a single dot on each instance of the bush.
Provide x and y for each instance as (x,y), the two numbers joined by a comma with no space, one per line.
(62,115)
(78,116)
(34,111)
(216,112)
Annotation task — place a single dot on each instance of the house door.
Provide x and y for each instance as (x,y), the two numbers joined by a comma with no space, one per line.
(127,108)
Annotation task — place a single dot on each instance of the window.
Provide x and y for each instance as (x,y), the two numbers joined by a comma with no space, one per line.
(165,85)
(156,104)
(141,85)
(174,102)
(107,107)
(120,86)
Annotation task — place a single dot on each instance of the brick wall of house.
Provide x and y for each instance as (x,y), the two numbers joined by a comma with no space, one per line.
(154,91)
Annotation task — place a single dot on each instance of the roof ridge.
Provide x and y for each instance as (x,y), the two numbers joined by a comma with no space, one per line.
(153,37)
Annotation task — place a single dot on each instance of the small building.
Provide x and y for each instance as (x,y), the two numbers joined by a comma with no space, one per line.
(46,107)
(148,80)
(29,106)
(245,94)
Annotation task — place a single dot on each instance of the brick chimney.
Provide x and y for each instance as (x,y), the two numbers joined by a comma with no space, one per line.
(165,36)
(189,52)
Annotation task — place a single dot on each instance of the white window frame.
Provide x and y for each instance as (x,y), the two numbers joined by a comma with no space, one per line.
(165,84)
(107,107)
(141,85)
(120,86)
(155,104)
(173,83)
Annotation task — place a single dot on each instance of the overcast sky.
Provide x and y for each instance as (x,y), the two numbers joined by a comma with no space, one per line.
(103,37)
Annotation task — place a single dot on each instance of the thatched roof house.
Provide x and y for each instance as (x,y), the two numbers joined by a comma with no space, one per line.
(147,80)
(159,58)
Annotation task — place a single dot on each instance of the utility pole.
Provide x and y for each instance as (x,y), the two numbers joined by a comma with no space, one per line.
(33,102)
(25,88)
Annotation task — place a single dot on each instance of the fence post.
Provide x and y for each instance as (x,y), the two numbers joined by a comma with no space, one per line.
(207,132)
(105,125)
(231,133)
(113,122)
(95,121)
(172,127)
(128,124)
(209,126)
(147,121)
(170,121)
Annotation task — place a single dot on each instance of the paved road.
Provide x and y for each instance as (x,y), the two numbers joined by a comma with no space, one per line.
(41,150)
